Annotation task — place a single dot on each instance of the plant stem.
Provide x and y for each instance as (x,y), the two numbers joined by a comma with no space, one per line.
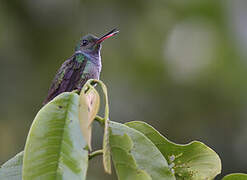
(100,120)
(95,153)
(76,91)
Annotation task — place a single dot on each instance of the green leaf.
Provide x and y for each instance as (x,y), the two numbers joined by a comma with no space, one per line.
(235,176)
(88,109)
(135,156)
(11,170)
(194,161)
(55,146)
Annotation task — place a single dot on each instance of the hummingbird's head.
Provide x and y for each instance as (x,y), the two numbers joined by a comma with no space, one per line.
(90,44)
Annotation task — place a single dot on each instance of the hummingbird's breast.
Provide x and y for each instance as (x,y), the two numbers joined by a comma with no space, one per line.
(94,65)
(93,69)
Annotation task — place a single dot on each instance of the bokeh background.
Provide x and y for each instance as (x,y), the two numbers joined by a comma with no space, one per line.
(179,65)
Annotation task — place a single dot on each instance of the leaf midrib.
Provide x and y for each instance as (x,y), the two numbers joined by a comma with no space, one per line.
(61,143)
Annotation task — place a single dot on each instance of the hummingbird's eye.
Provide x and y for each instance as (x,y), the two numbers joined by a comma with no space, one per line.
(84,42)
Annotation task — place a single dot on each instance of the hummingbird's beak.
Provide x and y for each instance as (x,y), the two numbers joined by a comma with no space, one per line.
(106,36)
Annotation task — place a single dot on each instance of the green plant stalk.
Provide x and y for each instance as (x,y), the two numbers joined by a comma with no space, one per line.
(100,120)
(95,153)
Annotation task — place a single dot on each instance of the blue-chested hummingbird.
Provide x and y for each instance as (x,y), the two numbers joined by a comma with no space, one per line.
(84,64)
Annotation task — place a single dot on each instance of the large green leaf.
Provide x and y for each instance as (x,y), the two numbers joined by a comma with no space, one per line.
(193,161)
(235,176)
(135,156)
(11,170)
(55,146)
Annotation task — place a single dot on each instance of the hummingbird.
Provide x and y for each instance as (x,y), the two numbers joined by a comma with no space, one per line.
(83,65)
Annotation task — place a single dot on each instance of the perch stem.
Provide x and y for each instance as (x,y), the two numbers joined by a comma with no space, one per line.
(100,120)
(95,153)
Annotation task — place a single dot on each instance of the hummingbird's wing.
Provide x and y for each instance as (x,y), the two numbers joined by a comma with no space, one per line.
(66,78)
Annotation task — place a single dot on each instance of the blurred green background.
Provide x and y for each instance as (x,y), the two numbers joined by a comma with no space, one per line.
(178,65)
